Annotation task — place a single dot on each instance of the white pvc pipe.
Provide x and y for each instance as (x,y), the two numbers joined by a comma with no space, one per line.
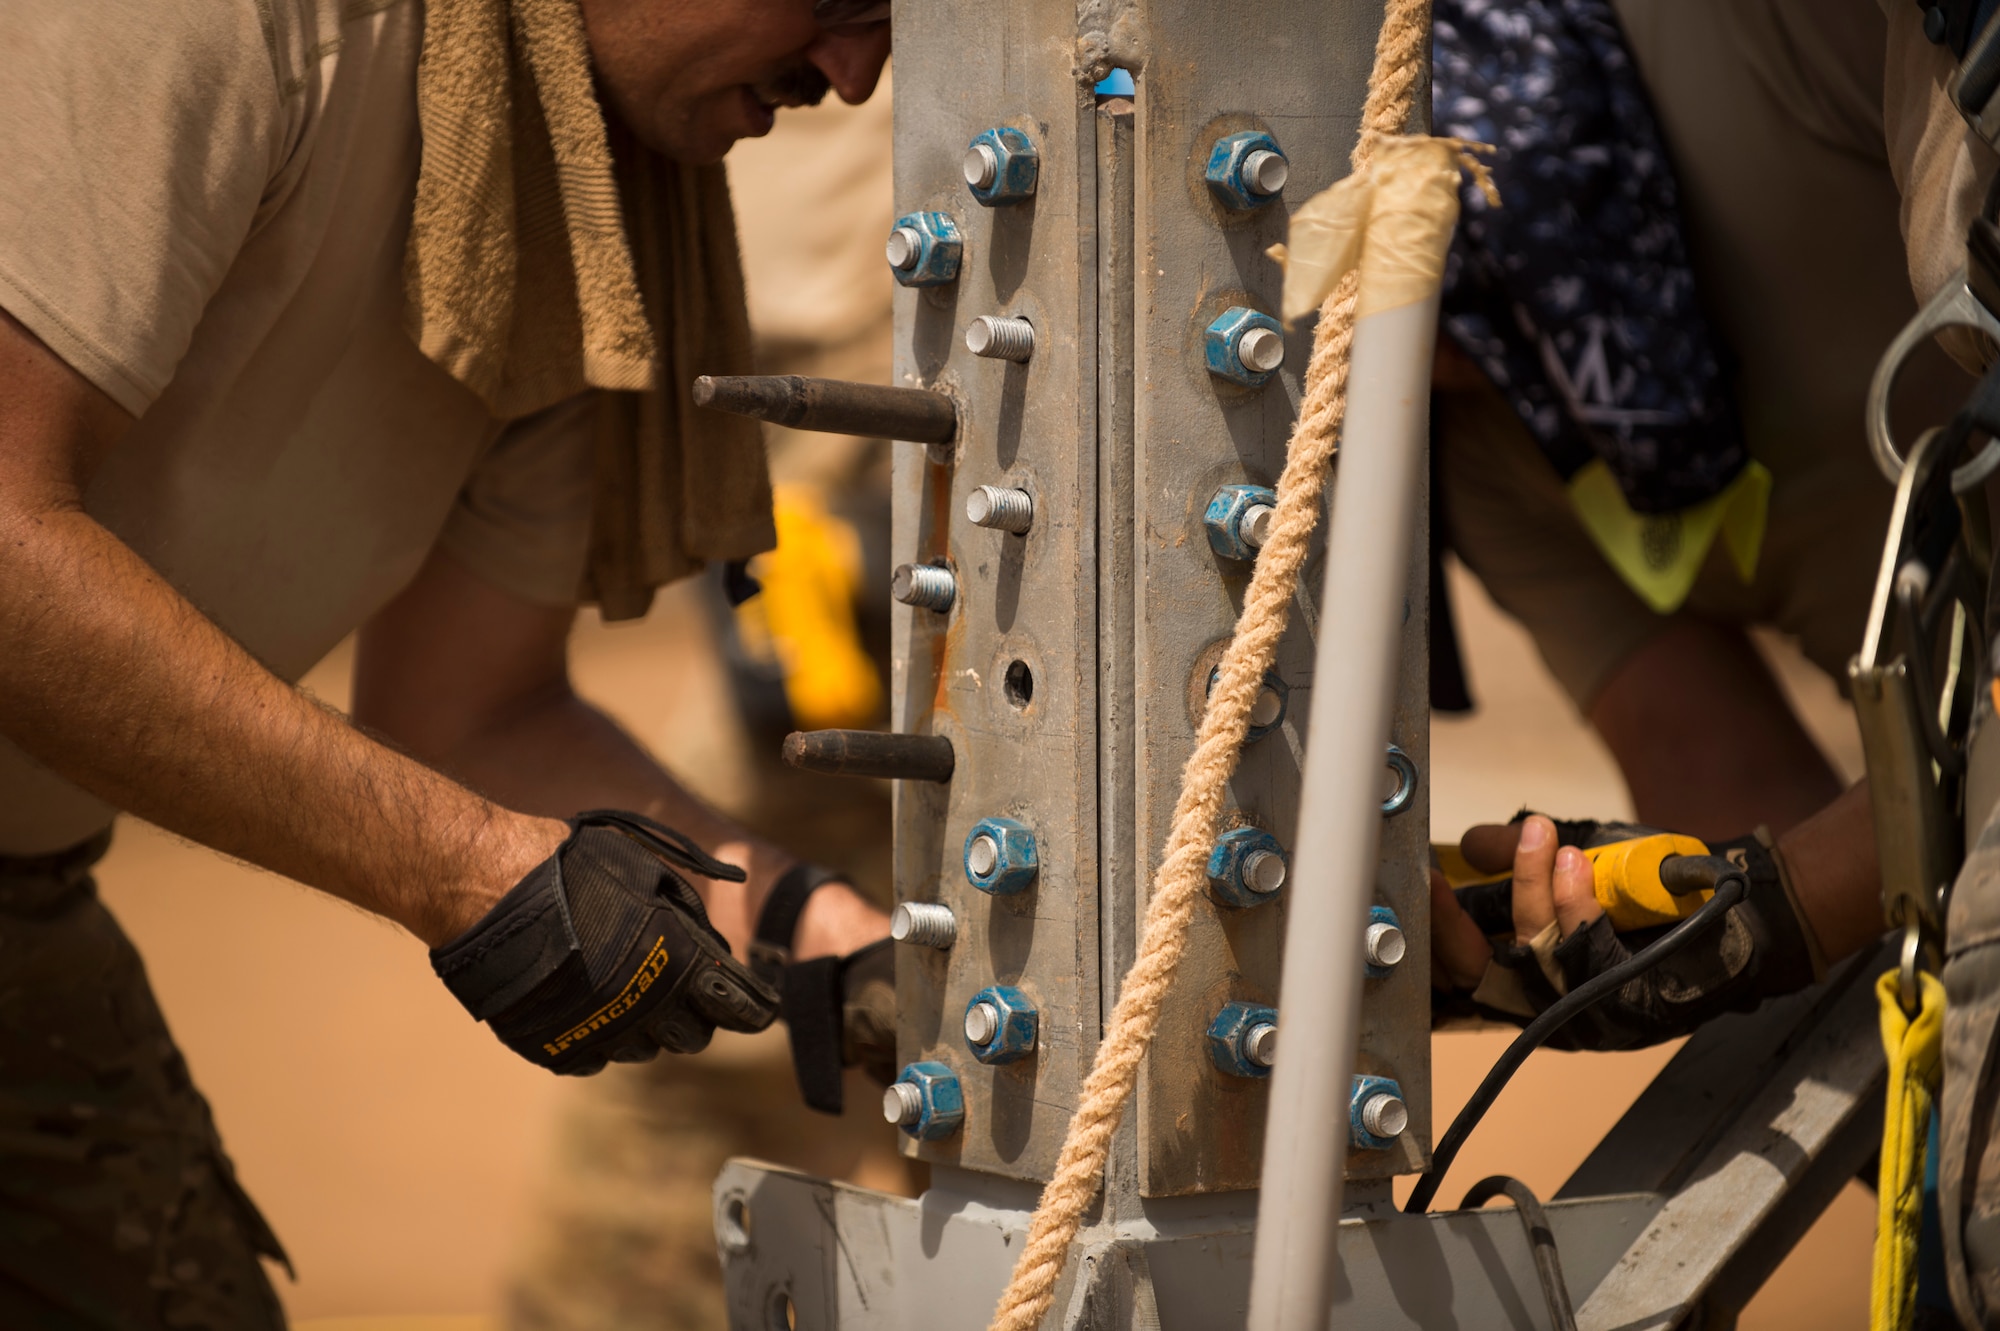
(1361,610)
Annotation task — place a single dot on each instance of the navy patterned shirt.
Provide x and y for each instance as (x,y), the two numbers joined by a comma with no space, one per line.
(1575,295)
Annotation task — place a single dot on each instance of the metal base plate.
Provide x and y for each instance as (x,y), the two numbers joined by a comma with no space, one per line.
(802,1252)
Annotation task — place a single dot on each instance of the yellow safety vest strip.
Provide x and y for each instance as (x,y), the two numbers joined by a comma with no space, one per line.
(1659,555)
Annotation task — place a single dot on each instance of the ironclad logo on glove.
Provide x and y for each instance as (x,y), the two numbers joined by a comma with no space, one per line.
(604,953)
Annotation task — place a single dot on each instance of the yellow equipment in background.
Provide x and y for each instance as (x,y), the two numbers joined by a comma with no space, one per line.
(803,620)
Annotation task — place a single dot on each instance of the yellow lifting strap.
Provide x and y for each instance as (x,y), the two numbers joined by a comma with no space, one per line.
(1915,1048)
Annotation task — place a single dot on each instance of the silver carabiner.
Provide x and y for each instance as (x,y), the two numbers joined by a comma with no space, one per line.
(1908,992)
(1954,306)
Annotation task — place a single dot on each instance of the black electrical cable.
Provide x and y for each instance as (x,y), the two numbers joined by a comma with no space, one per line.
(1730,886)
(1541,1242)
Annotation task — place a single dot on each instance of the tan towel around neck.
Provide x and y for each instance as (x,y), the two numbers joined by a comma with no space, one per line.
(521,283)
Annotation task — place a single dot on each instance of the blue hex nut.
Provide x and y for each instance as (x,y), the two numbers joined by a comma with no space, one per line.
(1382,943)
(1246,868)
(1001,1025)
(1237,519)
(1000,857)
(1001,166)
(1376,1114)
(1244,346)
(924,249)
(1243,1039)
(1247,170)
(926,1101)
(1268,712)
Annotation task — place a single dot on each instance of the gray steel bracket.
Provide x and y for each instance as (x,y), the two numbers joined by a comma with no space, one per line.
(803,1252)
(1751,1130)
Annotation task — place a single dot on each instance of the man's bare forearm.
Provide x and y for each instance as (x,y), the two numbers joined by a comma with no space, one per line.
(1831,859)
(117,683)
(475,680)
(560,755)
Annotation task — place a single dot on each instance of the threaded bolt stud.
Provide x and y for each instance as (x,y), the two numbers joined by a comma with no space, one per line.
(924,585)
(982,1023)
(905,246)
(1265,172)
(923,924)
(1385,944)
(1263,872)
(1006,337)
(982,856)
(1267,709)
(1385,1115)
(1260,1044)
(902,1103)
(1255,525)
(1000,508)
(1259,349)
(981,166)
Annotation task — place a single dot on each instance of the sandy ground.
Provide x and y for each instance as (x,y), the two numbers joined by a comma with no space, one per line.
(401,1152)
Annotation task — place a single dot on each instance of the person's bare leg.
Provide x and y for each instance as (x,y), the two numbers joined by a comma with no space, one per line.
(1705,737)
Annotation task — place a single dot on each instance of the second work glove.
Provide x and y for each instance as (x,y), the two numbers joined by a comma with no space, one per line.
(604,953)
(1762,948)
(841,1011)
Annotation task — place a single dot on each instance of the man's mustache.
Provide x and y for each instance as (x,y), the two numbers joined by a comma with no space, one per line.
(801,85)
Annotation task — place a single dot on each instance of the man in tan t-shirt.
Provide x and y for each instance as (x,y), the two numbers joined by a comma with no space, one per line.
(221,451)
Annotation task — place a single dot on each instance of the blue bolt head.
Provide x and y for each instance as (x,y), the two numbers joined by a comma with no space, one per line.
(924,249)
(1007,1027)
(1267,713)
(1234,1039)
(935,1106)
(1000,857)
(1244,346)
(1246,868)
(1224,519)
(1376,1114)
(1382,944)
(1246,170)
(1001,166)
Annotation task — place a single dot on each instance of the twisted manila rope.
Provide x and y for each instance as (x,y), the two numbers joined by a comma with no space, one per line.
(1183,868)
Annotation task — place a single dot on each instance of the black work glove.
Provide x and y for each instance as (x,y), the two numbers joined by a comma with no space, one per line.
(604,953)
(839,1011)
(1761,949)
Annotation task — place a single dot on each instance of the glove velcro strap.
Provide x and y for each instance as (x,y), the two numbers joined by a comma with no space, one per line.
(778,919)
(513,948)
(1788,954)
(811,1003)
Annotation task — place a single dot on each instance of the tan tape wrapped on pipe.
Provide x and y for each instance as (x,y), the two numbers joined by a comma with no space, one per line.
(1392,220)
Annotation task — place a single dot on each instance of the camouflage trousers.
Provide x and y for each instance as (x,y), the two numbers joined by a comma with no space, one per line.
(118,1208)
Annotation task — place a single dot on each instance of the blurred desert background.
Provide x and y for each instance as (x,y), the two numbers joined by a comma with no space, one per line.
(410,1163)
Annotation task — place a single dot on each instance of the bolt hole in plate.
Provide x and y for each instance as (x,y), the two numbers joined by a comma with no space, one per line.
(733,1232)
(1018,684)
(781,1314)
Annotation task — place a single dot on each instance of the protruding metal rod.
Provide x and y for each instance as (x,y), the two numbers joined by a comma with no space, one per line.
(1002,337)
(924,585)
(871,753)
(924,924)
(836,406)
